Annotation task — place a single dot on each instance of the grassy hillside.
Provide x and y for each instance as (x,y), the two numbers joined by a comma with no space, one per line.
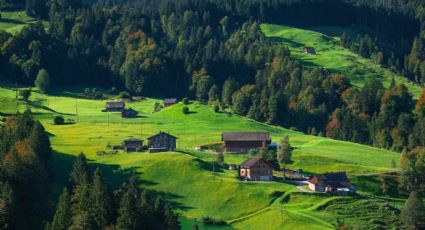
(14,21)
(331,55)
(187,180)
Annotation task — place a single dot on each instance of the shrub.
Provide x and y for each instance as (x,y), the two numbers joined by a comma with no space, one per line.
(185,101)
(216,108)
(212,221)
(124,95)
(42,81)
(186,110)
(25,93)
(157,107)
(58,120)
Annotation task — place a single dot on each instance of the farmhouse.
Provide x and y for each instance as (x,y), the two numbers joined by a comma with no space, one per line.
(256,169)
(162,142)
(309,50)
(170,101)
(336,183)
(129,113)
(132,145)
(114,106)
(241,142)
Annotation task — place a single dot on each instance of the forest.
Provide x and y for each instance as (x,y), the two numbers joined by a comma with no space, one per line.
(212,51)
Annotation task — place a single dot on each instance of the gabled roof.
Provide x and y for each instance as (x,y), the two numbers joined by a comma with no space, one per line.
(149,138)
(251,162)
(130,110)
(133,143)
(245,136)
(338,179)
(115,105)
(170,100)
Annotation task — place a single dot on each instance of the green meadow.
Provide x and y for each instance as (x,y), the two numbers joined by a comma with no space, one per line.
(331,55)
(188,179)
(14,21)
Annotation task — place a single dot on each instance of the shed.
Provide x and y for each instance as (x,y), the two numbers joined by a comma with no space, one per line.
(242,142)
(170,101)
(132,145)
(162,141)
(114,106)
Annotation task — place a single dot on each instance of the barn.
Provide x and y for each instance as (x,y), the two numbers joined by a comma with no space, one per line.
(242,142)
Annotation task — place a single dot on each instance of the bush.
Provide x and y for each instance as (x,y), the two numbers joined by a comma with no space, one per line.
(157,107)
(212,221)
(186,110)
(124,95)
(58,120)
(216,108)
(185,101)
(25,94)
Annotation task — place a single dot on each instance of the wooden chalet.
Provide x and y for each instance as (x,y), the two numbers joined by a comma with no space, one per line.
(242,142)
(256,169)
(162,142)
(309,50)
(132,145)
(170,101)
(336,183)
(114,106)
(129,113)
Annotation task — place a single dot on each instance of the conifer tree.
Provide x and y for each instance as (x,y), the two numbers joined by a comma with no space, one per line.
(80,172)
(101,205)
(128,212)
(413,212)
(62,217)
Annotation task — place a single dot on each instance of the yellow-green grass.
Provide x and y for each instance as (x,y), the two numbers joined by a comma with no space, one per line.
(331,55)
(14,21)
(187,179)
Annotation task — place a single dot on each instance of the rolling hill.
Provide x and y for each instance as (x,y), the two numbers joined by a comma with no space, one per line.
(186,178)
(331,55)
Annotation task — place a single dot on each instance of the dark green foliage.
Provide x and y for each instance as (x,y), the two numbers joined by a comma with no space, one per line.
(157,107)
(62,217)
(413,170)
(284,151)
(186,110)
(413,213)
(25,94)
(389,184)
(42,81)
(58,120)
(185,101)
(80,172)
(271,157)
(220,158)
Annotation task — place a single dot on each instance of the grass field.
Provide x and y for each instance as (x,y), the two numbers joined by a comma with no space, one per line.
(331,55)
(187,180)
(14,21)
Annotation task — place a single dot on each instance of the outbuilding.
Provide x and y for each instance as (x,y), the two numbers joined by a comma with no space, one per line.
(242,142)
(256,169)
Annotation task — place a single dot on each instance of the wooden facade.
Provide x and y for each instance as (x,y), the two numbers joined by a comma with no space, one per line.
(132,145)
(170,102)
(256,169)
(163,141)
(114,106)
(337,183)
(242,142)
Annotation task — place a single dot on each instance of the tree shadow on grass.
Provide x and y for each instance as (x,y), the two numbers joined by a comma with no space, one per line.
(208,166)
(12,21)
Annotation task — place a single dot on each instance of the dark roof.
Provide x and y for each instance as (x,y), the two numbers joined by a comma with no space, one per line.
(170,100)
(338,179)
(115,105)
(251,162)
(160,134)
(133,143)
(245,136)
(129,111)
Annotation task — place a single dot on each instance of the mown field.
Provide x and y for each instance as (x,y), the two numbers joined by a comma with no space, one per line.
(187,179)
(14,21)
(331,55)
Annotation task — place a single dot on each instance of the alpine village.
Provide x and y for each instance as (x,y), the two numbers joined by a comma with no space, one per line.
(212,114)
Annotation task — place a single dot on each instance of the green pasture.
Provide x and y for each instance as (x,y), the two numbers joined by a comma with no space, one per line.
(188,179)
(14,21)
(331,55)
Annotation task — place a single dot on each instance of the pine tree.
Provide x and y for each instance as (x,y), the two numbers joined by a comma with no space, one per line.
(284,151)
(171,221)
(80,172)
(62,217)
(40,144)
(101,204)
(128,212)
(413,212)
